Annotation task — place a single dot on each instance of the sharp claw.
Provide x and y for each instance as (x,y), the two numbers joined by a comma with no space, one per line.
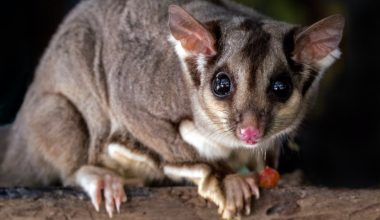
(256,192)
(110,208)
(101,184)
(95,204)
(124,197)
(248,209)
(109,195)
(109,211)
(95,196)
(118,194)
(118,203)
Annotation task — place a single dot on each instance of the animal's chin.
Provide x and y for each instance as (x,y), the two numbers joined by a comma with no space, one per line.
(251,143)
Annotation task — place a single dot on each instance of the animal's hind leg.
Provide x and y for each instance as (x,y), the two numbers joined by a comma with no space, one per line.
(48,142)
(59,133)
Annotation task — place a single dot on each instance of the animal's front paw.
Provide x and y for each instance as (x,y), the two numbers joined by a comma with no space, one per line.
(99,183)
(233,195)
(238,190)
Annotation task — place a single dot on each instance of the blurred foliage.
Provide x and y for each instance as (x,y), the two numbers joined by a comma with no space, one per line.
(287,10)
(294,11)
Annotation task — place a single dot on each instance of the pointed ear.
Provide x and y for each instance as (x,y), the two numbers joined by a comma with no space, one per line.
(192,35)
(318,40)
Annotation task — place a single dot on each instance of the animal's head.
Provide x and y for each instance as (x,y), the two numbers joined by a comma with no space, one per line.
(251,79)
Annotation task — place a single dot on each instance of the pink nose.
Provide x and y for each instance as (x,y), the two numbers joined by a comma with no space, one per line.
(249,135)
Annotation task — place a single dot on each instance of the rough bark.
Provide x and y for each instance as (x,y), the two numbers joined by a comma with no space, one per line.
(284,202)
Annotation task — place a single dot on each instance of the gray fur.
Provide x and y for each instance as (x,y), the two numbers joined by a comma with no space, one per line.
(110,70)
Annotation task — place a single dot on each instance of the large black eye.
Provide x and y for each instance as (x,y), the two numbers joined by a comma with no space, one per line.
(221,85)
(281,88)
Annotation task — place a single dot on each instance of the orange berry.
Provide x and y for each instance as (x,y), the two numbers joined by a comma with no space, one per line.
(268,178)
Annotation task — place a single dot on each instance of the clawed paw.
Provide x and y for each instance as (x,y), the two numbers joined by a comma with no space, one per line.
(238,190)
(101,185)
(233,195)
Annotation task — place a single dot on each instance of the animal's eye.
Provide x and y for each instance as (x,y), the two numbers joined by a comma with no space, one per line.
(281,88)
(221,85)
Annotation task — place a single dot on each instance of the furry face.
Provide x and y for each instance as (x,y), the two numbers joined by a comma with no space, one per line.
(251,79)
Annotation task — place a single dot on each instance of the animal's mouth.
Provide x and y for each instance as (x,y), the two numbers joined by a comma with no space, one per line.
(251,141)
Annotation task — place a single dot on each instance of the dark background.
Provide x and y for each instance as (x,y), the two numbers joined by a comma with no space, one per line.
(340,140)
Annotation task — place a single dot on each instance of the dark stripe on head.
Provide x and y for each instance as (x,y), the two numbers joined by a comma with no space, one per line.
(215,30)
(288,47)
(191,63)
(257,46)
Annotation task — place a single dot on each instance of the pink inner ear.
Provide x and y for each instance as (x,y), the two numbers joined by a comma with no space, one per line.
(320,39)
(315,50)
(192,35)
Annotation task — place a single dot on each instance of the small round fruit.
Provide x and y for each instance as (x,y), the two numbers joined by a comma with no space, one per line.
(268,178)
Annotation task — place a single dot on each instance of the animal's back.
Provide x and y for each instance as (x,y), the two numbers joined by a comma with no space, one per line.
(96,37)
